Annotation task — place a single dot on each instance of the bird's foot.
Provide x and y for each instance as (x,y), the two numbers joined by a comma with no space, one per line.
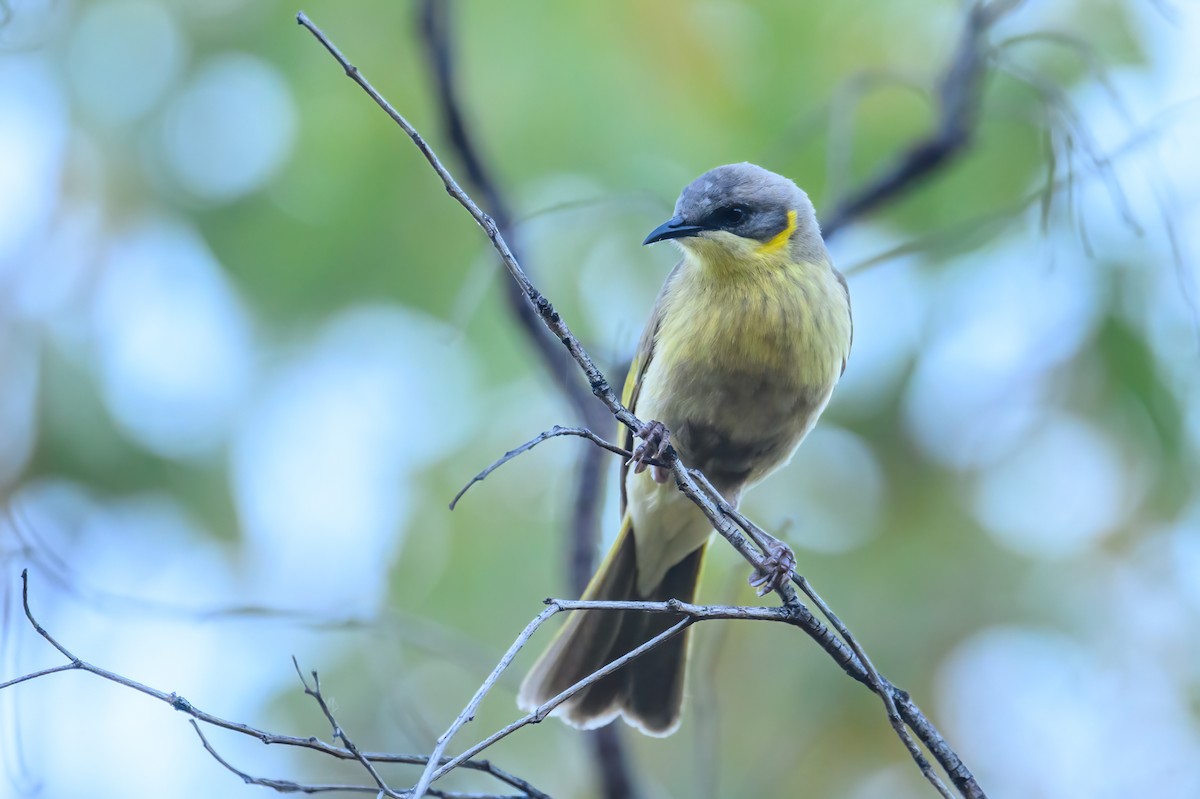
(776,570)
(655,441)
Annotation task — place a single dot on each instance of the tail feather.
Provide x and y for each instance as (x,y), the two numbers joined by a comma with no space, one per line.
(655,680)
(648,691)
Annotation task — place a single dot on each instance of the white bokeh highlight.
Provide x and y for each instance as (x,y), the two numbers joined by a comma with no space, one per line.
(829,497)
(230,128)
(147,62)
(1005,319)
(174,344)
(1039,715)
(324,464)
(1060,492)
(34,126)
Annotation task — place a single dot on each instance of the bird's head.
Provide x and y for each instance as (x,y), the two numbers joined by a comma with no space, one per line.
(743,213)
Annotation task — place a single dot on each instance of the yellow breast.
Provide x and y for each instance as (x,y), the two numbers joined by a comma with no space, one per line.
(785,323)
(746,356)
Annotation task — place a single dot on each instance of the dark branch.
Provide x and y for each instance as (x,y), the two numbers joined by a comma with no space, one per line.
(958,99)
(439,50)
(436,32)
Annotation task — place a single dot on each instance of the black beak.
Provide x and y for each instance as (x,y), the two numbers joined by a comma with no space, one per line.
(673,228)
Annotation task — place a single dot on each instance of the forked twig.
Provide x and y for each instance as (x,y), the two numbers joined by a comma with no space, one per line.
(184,706)
(338,733)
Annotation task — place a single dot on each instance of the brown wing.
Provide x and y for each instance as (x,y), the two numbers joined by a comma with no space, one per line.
(633,380)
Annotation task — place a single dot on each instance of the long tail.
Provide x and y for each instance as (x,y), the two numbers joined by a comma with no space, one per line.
(648,691)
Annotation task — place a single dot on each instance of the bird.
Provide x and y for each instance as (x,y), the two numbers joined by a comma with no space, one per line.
(747,339)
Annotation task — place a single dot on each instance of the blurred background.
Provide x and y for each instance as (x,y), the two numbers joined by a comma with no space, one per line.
(249,350)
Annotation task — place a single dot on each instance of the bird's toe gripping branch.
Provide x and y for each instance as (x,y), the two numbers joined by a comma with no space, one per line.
(776,570)
(655,443)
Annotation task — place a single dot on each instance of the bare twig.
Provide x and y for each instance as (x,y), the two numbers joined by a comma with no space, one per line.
(288,786)
(553,432)
(1006,215)
(692,613)
(338,733)
(183,705)
(36,674)
(548,707)
(437,35)
(842,653)
(599,384)
(468,713)
(958,98)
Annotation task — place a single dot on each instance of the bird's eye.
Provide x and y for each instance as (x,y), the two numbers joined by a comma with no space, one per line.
(728,216)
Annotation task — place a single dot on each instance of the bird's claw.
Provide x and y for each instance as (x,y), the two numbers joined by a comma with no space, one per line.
(775,571)
(655,442)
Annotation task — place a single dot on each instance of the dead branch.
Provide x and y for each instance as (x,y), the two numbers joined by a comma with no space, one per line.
(553,432)
(312,743)
(959,93)
(288,786)
(338,733)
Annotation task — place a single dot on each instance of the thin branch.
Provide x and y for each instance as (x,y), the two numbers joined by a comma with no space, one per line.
(1007,215)
(874,680)
(548,707)
(288,786)
(601,388)
(692,613)
(960,91)
(36,674)
(599,384)
(282,786)
(877,684)
(183,705)
(468,713)
(553,432)
(338,732)
(765,541)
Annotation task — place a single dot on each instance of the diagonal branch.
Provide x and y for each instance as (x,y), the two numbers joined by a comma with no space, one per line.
(437,35)
(439,50)
(765,542)
(839,650)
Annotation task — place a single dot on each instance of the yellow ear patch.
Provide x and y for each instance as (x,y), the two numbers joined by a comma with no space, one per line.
(780,239)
